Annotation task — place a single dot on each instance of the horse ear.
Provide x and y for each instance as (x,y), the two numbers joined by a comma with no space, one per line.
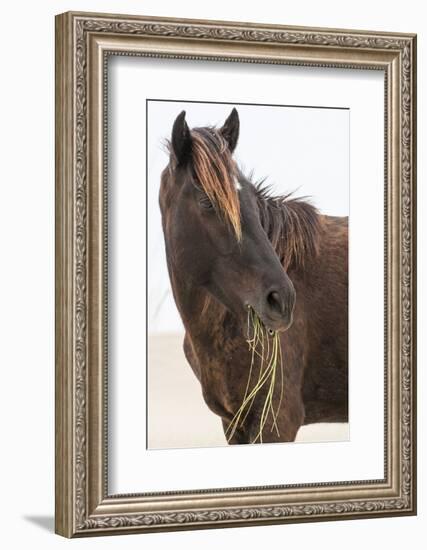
(181,139)
(230,130)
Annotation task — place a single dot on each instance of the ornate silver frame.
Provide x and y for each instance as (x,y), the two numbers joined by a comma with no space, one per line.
(83,505)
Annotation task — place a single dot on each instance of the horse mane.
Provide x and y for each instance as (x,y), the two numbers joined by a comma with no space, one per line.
(292,226)
(216,173)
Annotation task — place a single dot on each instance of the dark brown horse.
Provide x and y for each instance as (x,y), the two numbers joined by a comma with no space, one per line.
(231,246)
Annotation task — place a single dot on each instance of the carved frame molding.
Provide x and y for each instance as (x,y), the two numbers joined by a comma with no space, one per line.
(83,42)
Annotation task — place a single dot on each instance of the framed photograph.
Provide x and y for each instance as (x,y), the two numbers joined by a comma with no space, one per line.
(235,274)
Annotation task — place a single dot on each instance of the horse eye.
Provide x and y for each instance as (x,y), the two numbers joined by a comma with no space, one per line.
(205,203)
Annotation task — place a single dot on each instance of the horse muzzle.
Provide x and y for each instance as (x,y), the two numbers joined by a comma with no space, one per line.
(276,311)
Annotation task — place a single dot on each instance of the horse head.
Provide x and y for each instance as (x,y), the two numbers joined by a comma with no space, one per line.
(212,226)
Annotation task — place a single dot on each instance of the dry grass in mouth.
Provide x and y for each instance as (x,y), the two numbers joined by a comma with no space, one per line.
(269,354)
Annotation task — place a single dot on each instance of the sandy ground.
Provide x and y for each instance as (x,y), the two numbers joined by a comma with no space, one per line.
(177,414)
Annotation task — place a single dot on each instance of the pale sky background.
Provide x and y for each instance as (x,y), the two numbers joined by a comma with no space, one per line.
(296,148)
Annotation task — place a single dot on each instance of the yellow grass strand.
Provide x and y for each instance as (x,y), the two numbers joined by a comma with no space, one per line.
(269,359)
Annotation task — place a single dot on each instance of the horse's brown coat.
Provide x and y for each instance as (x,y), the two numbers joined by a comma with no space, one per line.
(312,249)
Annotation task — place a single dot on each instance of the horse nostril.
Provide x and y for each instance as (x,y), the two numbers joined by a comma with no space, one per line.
(275,302)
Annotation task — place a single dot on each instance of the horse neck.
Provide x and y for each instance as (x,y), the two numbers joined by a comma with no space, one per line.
(210,336)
